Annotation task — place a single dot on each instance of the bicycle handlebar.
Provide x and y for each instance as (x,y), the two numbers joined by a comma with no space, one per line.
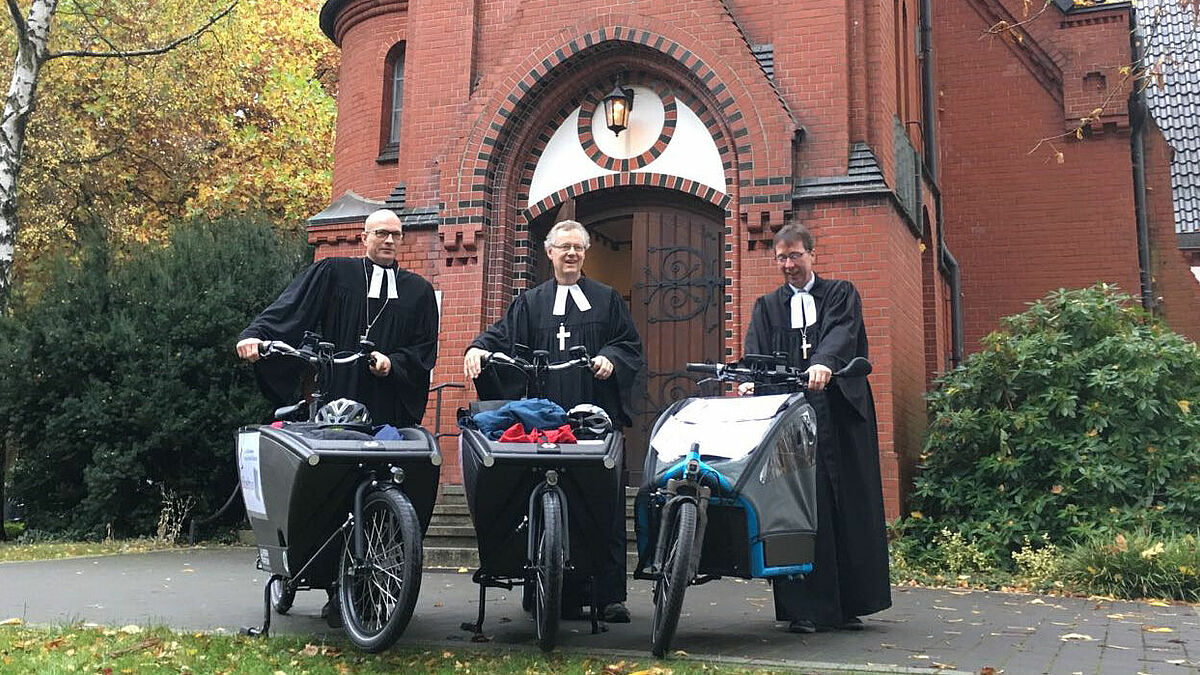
(759,372)
(279,347)
(582,360)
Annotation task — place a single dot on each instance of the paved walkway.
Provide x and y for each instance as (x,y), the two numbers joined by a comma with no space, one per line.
(964,631)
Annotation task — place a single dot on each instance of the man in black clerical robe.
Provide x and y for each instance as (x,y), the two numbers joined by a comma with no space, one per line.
(564,312)
(822,333)
(345,300)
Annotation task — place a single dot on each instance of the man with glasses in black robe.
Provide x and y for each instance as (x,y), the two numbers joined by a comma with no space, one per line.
(566,311)
(818,323)
(346,300)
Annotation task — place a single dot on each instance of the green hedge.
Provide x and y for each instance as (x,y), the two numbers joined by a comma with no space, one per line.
(1080,418)
(119,382)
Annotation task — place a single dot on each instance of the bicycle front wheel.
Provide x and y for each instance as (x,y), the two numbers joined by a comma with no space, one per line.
(377,593)
(674,579)
(548,572)
(282,597)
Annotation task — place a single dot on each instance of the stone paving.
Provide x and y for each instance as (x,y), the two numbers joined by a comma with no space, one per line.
(925,630)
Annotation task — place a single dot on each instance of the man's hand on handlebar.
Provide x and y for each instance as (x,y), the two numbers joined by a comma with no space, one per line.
(473,362)
(818,379)
(818,376)
(248,349)
(602,367)
(380,365)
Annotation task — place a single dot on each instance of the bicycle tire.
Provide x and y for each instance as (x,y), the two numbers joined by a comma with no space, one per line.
(376,599)
(673,582)
(548,572)
(282,597)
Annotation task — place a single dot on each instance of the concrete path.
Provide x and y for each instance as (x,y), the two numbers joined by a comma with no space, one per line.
(220,590)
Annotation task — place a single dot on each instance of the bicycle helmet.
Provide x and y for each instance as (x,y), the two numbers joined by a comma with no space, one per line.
(589,422)
(343,412)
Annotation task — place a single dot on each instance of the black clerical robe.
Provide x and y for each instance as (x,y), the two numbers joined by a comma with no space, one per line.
(850,572)
(330,298)
(606,330)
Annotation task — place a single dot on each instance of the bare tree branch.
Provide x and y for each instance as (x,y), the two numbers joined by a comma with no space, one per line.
(18,20)
(155,51)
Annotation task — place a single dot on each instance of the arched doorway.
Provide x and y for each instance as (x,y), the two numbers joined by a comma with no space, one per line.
(663,251)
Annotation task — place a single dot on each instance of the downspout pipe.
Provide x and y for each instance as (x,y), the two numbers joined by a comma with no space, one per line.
(947,263)
(928,98)
(1137,150)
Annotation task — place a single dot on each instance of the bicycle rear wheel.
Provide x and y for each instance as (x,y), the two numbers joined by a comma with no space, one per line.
(377,594)
(675,575)
(548,572)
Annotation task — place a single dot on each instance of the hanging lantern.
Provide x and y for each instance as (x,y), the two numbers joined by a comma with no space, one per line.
(617,107)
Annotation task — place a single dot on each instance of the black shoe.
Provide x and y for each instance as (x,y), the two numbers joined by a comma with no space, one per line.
(616,612)
(332,612)
(852,623)
(801,626)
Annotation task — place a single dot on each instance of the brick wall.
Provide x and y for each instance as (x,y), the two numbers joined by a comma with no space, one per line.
(1021,223)
(1177,289)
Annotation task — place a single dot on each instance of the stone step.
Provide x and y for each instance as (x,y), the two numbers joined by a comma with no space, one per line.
(454,494)
(451,557)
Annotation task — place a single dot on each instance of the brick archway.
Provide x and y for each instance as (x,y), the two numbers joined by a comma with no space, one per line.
(738,92)
(501,150)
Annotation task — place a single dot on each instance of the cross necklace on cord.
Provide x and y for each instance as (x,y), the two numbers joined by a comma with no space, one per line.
(805,345)
(367,302)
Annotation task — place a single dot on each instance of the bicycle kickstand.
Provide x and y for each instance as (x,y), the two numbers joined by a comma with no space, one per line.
(477,627)
(265,630)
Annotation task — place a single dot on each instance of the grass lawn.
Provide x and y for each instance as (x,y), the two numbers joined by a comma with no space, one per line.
(11,551)
(105,650)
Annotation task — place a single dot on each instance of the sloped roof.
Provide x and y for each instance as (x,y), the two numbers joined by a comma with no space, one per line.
(1170,33)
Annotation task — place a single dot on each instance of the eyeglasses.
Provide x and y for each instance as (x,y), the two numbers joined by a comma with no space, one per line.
(384,233)
(567,248)
(794,256)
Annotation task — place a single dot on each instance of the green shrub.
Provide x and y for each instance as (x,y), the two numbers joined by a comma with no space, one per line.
(119,382)
(14,530)
(1079,418)
(1039,566)
(1140,566)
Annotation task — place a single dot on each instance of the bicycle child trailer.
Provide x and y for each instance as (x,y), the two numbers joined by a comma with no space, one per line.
(730,488)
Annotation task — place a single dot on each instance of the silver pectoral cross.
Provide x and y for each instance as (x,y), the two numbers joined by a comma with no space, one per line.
(562,336)
(805,345)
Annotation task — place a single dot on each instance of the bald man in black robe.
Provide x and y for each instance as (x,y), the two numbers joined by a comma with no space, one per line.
(346,300)
(818,323)
(564,312)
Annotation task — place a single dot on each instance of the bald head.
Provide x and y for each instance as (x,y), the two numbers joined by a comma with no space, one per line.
(382,233)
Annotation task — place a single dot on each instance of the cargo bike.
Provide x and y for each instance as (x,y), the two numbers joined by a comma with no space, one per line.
(333,507)
(536,506)
(731,486)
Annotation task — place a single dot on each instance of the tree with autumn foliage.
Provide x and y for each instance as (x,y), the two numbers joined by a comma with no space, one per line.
(125,116)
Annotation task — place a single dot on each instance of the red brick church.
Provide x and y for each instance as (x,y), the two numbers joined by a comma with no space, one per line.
(899,131)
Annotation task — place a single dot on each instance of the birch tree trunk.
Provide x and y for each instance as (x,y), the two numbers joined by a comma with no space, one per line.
(32,39)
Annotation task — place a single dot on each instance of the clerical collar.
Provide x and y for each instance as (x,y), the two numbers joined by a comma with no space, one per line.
(560,299)
(807,287)
(375,286)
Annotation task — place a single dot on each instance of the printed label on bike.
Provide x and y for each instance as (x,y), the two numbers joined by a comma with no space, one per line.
(251,476)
